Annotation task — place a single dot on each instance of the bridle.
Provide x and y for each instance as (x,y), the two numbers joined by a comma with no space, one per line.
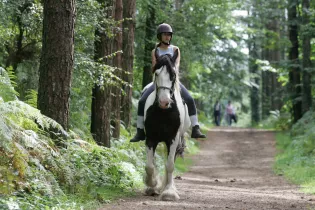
(171,89)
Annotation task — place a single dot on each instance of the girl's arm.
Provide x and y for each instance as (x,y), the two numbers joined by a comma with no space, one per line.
(177,62)
(153,58)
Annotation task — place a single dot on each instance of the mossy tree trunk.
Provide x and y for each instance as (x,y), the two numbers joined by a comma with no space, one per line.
(56,61)
(129,23)
(116,100)
(101,95)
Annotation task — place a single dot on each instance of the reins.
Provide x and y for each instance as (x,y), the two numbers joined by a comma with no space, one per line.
(172,88)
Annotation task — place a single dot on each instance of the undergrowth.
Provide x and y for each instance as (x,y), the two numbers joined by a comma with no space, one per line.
(296,158)
(69,171)
(276,121)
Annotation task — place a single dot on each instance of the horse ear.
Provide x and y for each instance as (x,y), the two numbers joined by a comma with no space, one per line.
(175,56)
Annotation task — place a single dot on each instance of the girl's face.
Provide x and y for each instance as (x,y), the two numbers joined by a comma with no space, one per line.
(166,37)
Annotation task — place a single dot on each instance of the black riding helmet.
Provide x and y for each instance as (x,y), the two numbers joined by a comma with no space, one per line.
(164,28)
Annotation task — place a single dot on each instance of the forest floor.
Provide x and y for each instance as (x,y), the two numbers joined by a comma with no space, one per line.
(233,170)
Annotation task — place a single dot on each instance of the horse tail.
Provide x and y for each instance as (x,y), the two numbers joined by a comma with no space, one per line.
(181,147)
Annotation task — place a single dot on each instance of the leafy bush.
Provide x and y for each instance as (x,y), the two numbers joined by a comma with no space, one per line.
(296,160)
(35,173)
(277,120)
(7,91)
(38,172)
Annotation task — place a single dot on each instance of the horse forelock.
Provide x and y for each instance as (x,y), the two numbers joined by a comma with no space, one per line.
(166,60)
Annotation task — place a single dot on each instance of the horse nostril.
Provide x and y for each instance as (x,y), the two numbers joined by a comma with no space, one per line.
(164,105)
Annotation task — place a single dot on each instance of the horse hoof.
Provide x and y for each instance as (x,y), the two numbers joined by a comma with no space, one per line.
(151,192)
(169,196)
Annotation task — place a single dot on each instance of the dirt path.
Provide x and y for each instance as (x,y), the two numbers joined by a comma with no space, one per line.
(232,171)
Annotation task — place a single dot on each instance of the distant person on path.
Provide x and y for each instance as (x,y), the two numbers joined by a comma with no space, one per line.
(217,113)
(230,111)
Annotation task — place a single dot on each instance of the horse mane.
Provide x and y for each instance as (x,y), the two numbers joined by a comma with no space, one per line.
(166,60)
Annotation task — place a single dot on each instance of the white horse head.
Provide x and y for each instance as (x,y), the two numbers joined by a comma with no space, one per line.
(166,80)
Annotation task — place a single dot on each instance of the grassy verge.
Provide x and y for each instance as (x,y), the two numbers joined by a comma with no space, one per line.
(295,162)
(182,165)
(106,195)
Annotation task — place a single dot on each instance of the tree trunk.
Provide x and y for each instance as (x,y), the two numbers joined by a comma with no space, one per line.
(101,96)
(100,117)
(306,62)
(294,72)
(128,56)
(254,92)
(118,64)
(149,45)
(273,55)
(272,89)
(253,70)
(253,67)
(56,60)
(266,88)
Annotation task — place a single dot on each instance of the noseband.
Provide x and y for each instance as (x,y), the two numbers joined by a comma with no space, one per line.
(171,89)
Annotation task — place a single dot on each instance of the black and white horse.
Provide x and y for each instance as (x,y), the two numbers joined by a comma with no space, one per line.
(166,120)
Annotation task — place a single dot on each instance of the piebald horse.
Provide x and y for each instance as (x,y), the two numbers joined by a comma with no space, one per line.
(166,120)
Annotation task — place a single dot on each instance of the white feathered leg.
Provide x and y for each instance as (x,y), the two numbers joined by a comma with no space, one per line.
(152,179)
(170,193)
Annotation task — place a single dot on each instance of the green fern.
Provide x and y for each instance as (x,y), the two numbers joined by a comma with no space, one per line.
(31,98)
(80,167)
(18,109)
(7,84)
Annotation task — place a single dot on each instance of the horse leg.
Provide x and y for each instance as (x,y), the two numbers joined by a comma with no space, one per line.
(170,193)
(152,179)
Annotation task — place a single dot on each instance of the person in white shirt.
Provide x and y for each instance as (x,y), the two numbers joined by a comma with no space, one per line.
(230,111)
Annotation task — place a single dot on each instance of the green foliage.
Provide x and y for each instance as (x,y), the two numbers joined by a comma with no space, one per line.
(297,151)
(20,40)
(87,71)
(31,98)
(304,124)
(304,131)
(7,92)
(27,77)
(205,119)
(42,175)
(276,120)
(182,164)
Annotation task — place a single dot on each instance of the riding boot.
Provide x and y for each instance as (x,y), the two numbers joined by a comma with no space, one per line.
(196,133)
(140,135)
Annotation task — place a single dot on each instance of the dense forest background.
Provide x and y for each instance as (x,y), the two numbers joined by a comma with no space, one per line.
(71,73)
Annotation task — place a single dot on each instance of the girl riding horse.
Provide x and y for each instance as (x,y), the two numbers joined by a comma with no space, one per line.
(166,120)
(164,34)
